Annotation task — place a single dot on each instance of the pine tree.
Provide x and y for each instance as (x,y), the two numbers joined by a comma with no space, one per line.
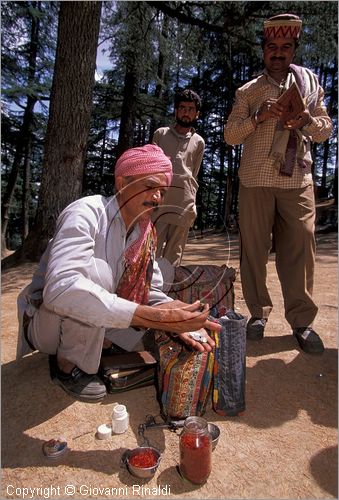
(69,117)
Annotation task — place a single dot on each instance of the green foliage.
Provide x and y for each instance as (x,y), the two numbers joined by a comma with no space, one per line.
(18,87)
(210,46)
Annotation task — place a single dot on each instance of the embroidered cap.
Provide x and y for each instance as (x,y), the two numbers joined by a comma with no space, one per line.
(282,26)
(148,159)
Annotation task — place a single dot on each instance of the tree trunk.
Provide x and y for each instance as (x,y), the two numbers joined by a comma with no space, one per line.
(229,189)
(128,110)
(136,33)
(235,183)
(23,139)
(69,119)
(335,186)
(221,188)
(162,66)
(26,192)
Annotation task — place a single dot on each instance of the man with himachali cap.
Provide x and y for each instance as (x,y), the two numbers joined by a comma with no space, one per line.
(98,284)
(276,188)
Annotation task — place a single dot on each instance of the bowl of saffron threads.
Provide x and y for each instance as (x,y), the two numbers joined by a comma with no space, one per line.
(143,461)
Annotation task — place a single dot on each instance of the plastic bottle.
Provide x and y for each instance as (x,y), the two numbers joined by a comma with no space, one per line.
(195,450)
(120,419)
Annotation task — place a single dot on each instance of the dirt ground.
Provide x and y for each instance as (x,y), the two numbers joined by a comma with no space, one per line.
(284,446)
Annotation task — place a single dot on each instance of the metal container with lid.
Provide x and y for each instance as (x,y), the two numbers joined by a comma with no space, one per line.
(54,448)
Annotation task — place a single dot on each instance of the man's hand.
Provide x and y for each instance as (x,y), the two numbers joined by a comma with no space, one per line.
(300,121)
(198,346)
(175,316)
(269,109)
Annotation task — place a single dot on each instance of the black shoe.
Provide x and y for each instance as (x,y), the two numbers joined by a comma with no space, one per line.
(255,328)
(309,341)
(78,384)
(111,350)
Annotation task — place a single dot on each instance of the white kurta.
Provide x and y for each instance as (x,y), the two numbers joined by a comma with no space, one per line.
(81,267)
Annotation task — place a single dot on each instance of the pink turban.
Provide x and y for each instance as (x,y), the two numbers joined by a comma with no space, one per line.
(148,159)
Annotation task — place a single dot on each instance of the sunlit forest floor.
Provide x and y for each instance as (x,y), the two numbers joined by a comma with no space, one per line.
(284,446)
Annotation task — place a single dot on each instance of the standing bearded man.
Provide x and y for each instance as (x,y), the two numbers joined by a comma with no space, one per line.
(185,147)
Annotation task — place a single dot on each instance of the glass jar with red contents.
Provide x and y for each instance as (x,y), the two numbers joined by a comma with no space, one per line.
(195,450)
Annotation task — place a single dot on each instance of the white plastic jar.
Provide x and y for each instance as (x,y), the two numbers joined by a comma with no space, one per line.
(120,419)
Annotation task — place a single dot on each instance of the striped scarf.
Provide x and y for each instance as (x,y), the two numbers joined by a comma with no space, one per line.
(288,146)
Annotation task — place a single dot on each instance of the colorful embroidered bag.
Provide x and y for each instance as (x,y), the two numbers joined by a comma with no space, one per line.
(184,378)
(208,283)
(187,379)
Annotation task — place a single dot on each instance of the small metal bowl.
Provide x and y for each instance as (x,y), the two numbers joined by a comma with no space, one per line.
(142,472)
(215,433)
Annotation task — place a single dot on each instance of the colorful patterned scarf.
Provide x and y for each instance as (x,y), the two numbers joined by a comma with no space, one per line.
(135,283)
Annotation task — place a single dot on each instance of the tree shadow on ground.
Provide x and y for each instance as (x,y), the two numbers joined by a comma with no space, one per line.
(216,248)
(30,399)
(277,390)
(323,470)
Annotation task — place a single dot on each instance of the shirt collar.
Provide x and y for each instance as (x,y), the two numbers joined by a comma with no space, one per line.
(187,136)
(270,79)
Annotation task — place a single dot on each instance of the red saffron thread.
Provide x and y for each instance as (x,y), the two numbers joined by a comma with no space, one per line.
(195,457)
(144,459)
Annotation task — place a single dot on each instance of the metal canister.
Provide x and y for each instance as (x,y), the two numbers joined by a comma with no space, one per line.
(54,448)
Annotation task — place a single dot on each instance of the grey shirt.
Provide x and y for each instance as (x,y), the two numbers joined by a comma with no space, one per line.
(186,153)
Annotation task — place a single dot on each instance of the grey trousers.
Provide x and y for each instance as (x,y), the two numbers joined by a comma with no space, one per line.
(175,238)
(290,213)
(78,342)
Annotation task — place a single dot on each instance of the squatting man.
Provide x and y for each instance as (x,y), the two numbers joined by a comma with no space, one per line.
(98,285)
